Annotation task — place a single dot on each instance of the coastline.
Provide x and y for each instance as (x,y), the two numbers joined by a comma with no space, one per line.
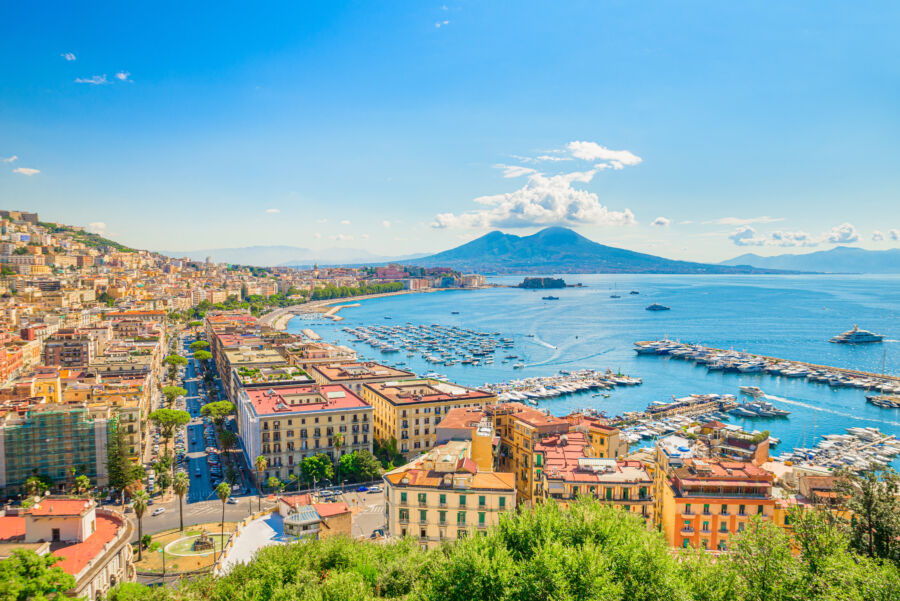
(279,318)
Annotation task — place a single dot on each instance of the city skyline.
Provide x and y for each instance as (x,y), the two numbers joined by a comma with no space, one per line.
(699,133)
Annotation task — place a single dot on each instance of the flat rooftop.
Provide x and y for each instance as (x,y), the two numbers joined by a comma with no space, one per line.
(346,372)
(410,392)
(280,400)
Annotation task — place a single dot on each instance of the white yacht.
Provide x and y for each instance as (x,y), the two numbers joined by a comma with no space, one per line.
(754,391)
(857,336)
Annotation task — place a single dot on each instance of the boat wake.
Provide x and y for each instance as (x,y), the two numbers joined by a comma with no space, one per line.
(832,411)
(551,360)
(537,340)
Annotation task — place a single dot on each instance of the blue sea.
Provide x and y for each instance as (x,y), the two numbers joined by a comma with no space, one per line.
(790,317)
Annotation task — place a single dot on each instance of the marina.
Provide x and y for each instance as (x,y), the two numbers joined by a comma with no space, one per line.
(531,390)
(741,362)
(857,450)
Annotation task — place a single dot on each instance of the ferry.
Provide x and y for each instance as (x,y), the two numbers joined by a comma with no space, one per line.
(658,307)
(857,336)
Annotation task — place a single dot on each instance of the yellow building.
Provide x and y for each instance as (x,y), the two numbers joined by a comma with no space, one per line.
(355,374)
(408,411)
(605,440)
(443,496)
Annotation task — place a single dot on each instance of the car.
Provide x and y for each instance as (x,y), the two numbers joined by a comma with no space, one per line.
(150,500)
(159,510)
(232,501)
(198,473)
(374,489)
(327,494)
(362,489)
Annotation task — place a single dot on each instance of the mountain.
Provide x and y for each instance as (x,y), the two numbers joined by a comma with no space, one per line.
(560,250)
(841,259)
(289,256)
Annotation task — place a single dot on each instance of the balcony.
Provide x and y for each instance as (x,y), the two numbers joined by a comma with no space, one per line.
(687,531)
(482,525)
(403,520)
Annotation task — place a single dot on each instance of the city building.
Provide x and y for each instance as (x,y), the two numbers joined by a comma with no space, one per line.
(408,411)
(285,424)
(354,375)
(93,544)
(305,519)
(443,495)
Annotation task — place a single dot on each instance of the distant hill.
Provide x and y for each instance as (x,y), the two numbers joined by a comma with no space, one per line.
(560,250)
(289,256)
(841,259)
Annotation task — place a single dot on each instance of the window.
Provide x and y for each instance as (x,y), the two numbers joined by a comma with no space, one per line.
(723,527)
(443,499)
(404,515)
(787,520)
(687,507)
(642,492)
(482,501)
(724,509)
(462,500)
(403,497)
(422,498)
(423,515)
(461,518)
(742,510)
(481,515)
(706,526)
(442,516)
(740,526)
(609,494)
(502,502)
(706,508)
(686,543)
(759,509)
(625,494)
(54,533)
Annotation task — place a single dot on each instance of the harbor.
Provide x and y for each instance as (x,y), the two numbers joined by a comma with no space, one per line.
(531,390)
(859,449)
(742,362)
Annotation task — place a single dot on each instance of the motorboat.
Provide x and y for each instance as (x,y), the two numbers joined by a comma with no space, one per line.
(754,391)
(857,336)
(658,307)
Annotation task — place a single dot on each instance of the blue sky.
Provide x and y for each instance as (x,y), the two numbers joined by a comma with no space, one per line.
(392,127)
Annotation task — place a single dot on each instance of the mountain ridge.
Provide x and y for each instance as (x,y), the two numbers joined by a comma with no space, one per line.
(840,259)
(562,250)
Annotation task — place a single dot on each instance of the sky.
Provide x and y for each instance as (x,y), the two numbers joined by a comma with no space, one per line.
(693,130)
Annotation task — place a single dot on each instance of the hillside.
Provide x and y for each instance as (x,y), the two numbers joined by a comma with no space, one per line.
(841,259)
(561,250)
(285,256)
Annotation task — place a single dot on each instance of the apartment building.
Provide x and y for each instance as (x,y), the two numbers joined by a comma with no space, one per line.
(248,361)
(604,440)
(354,375)
(284,424)
(565,469)
(443,495)
(408,411)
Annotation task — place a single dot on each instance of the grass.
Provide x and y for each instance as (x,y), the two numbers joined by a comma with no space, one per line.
(153,558)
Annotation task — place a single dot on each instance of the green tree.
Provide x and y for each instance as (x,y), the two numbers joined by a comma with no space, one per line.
(131,591)
(176,360)
(82,485)
(139,503)
(199,345)
(223,491)
(168,420)
(36,486)
(218,411)
(173,392)
(360,466)
(317,468)
(762,559)
(27,576)
(274,484)
(872,499)
(337,441)
(260,464)
(180,485)
(228,440)
(202,355)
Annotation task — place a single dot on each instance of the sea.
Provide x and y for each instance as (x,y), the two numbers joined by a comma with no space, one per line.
(789,317)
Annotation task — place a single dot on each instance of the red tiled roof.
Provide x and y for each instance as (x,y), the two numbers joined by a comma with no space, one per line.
(296,500)
(327,510)
(11,527)
(265,403)
(76,557)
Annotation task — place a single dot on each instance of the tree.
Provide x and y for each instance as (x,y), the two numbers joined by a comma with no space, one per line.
(228,440)
(202,355)
(260,464)
(36,486)
(337,441)
(27,576)
(82,485)
(176,360)
(168,420)
(360,466)
(199,345)
(872,499)
(223,491)
(173,392)
(231,474)
(762,558)
(180,486)
(139,504)
(274,484)
(218,411)
(317,467)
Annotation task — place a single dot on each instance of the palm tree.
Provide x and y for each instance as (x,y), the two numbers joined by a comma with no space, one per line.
(337,441)
(180,485)
(260,464)
(139,501)
(223,491)
(81,485)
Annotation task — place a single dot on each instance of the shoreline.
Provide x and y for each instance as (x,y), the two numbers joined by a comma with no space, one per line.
(279,318)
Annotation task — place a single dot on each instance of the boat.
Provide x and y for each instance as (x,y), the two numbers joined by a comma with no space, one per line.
(549,298)
(754,391)
(857,336)
(518,366)
(658,307)
(614,296)
(454,312)
(634,292)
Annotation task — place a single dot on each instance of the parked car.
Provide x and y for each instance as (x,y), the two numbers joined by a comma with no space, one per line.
(232,501)
(362,489)
(374,489)
(159,510)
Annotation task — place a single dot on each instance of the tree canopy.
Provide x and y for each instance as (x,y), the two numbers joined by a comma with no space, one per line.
(218,411)
(173,392)
(198,345)
(202,355)
(169,419)
(176,360)
(27,576)
(359,466)
(317,466)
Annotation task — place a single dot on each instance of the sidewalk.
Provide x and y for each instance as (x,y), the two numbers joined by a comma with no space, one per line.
(261,532)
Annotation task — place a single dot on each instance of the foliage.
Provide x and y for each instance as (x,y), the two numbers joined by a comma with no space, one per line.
(218,411)
(388,453)
(330,291)
(541,283)
(169,419)
(139,503)
(198,345)
(82,485)
(36,486)
(194,324)
(872,498)
(27,576)
(274,484)
(228,440)
(173,392)
(316,467)
(180,485)
(360,466)
(202,355)
(176,360)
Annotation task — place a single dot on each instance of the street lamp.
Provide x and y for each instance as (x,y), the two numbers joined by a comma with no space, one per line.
(162,550)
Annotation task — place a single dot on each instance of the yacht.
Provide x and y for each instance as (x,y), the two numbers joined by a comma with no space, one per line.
(857,336)
(550,298)
(657,307)
(754,391)
(614,296)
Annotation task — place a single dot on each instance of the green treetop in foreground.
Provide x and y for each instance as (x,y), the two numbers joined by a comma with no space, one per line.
(588,551)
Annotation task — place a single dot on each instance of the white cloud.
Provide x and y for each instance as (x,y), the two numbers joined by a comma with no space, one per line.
(345,222)
(26,171)
(514,170)
(550,157)
(746,236)
(341,237)
(543,201)
(798,238)
(591,151)
(69,56)
(744,221)
(97,227)
(877,236)
(844,233)
(894,234)
(123,75)
(440,24)
(95,80)
(385,223)
(321,221)
(685,222)
(11,159)
(273,210)
(661,222)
